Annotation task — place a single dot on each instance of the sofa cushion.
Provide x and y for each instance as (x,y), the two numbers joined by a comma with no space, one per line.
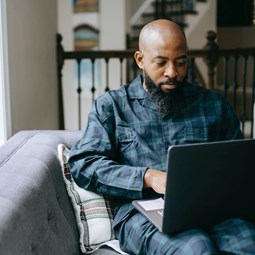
(94,213)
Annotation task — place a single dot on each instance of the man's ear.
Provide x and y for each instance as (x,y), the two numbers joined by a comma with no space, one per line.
(138,56)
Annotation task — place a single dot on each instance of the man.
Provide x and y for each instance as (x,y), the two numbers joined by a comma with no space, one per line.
(123,151)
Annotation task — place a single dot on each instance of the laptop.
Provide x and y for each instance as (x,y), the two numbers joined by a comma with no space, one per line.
(207,183)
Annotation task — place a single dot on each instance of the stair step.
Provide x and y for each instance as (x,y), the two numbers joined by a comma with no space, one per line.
(171,2)
(170,13)
(179,4)
(176,2)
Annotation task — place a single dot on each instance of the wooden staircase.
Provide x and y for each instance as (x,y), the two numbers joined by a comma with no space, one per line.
(175,10)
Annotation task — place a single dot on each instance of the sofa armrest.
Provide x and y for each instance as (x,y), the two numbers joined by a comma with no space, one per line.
(36,215)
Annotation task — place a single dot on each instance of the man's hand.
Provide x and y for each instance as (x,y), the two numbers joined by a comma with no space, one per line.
(156,180)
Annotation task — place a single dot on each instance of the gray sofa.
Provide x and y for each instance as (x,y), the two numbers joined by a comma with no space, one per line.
(36,215)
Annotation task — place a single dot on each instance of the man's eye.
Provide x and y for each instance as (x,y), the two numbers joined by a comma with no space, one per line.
(181,63)
(160,63)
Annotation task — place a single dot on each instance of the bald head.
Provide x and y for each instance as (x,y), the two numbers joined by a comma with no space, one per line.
(162,55)
(160,30)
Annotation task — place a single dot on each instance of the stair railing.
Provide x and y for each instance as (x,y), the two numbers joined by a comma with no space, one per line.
(230,71)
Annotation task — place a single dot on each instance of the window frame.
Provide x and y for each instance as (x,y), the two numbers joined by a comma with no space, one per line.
(5,120)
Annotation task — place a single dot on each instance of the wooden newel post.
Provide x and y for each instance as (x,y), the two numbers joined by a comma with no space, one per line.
(212,57)
(60,63)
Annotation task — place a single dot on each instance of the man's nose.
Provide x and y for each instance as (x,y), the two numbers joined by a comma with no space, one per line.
(170,71)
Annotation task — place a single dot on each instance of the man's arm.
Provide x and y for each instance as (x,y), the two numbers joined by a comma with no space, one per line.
(94,162)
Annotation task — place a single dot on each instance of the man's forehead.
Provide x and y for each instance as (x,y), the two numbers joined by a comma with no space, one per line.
(180,56)
(166,54)
(165,37)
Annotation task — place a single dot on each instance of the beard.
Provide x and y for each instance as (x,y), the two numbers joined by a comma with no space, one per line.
(167,103)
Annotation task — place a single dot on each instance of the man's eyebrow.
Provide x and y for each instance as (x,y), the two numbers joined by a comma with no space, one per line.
(184,56)
(161,57)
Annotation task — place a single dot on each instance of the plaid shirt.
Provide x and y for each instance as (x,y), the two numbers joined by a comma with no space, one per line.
(126,134)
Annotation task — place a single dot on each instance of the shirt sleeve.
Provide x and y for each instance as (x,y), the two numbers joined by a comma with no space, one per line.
(94,159)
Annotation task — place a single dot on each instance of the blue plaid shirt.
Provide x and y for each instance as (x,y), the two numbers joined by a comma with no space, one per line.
(126,134)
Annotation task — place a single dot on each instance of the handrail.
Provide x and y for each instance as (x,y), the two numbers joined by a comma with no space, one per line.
(98,54)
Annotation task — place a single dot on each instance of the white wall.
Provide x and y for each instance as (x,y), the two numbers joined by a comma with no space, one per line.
(32,26)
(202,22)
(112,35)
(112,27)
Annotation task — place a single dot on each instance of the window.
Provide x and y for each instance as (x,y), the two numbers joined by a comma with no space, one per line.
(86,37)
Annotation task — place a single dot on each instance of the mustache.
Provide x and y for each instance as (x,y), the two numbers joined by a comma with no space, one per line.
(168,82)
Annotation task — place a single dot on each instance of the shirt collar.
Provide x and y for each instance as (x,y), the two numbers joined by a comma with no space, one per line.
(136,90)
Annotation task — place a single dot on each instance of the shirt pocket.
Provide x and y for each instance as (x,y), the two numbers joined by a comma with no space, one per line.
(127,139)
(196,134)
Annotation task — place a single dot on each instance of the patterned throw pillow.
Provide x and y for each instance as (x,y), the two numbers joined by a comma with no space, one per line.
(94,213)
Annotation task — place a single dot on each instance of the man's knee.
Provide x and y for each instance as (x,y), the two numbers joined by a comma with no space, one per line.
(138,236)
(230,235)
(192,243)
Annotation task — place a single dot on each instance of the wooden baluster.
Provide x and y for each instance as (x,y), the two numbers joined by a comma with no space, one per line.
(107,74)
(121,71)
(244,78)
(79,90)
(128,70)
(60,63)
(93,87)
(212,57)
(225,76)
(235,84)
